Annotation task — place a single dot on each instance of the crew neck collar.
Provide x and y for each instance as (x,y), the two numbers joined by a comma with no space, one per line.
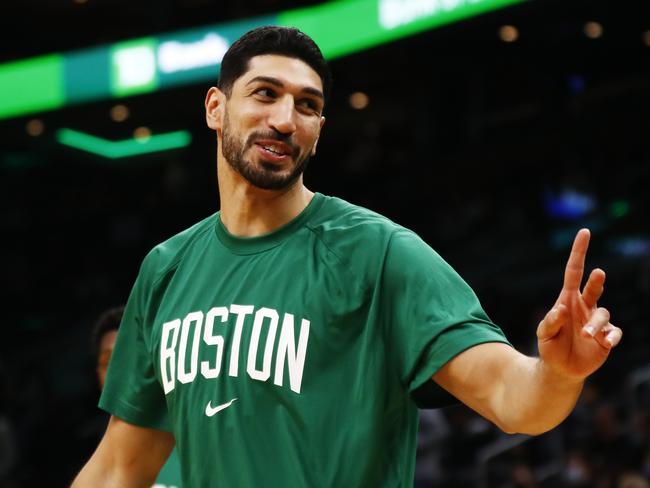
(253,245)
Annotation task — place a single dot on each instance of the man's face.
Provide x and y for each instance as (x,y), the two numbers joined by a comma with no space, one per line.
(272,121)
(105,350)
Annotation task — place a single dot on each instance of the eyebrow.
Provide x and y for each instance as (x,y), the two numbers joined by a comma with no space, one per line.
(276,82)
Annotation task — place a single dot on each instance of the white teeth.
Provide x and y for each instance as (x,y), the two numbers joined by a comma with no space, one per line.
(273,150)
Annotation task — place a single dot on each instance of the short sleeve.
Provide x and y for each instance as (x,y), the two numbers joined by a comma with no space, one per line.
(132,391)
(433,313)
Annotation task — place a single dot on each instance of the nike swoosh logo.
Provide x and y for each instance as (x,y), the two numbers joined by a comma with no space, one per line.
(210,410)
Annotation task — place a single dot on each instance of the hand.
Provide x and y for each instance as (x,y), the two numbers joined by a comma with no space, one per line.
(576,336)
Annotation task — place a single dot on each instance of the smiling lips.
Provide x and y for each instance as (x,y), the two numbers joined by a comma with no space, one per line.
(274,150)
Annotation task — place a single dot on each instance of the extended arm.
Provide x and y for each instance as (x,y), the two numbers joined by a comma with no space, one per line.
(517,393)
(128,456)
(533,395)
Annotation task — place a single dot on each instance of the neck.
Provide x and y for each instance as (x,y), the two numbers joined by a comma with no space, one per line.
(248,211)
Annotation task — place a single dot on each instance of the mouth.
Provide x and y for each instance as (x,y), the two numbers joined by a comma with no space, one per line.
(274,150)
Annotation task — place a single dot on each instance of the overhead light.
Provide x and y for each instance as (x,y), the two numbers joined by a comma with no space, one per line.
(359,100)
(593,30)
(142,134)
(35,127)
(508,33)
(119,113)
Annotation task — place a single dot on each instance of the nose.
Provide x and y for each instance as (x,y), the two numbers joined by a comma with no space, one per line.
(282,115)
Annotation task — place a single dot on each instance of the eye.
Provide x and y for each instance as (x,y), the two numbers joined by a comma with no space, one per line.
(310,104)
(265,92)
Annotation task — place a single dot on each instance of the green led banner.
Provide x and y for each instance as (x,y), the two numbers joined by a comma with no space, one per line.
(31,85)
(133,67)
(347,26)
(148,64)
(124,148)
(87,75)
(126,68)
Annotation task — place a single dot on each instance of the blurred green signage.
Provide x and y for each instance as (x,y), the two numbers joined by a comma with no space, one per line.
(126,147)
(31,85)
(347,26)
(157,62)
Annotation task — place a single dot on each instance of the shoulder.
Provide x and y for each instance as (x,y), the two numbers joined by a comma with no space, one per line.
(166,255)
(361,236)
(338,218)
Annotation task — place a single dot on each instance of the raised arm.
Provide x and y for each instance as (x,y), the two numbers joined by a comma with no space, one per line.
(533,395)
(128,456)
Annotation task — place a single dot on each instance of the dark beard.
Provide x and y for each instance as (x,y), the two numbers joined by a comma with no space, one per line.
(266,176)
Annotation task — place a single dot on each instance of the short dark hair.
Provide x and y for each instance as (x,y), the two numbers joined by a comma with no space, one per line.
(108,320)
(284,41)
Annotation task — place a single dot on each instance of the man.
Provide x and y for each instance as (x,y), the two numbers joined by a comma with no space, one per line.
(278,341)
(104,336)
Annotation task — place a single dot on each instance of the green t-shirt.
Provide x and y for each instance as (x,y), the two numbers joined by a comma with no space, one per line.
(287,360)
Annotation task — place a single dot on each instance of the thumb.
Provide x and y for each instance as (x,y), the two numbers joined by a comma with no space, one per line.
(551,324)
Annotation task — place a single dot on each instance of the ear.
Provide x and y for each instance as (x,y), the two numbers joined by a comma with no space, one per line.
(313,149)
(214,103)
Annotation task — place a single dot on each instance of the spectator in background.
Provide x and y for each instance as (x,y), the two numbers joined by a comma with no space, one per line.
(103,339)
(104,336)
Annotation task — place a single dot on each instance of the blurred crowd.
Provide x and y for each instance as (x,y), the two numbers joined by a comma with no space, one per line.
(605,443)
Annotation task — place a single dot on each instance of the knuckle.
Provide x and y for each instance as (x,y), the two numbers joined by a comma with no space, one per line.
(604,312)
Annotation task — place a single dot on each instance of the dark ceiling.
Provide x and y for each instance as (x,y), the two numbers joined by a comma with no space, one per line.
(40,26)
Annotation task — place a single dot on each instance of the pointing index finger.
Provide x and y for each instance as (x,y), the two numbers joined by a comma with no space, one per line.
(576,264)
